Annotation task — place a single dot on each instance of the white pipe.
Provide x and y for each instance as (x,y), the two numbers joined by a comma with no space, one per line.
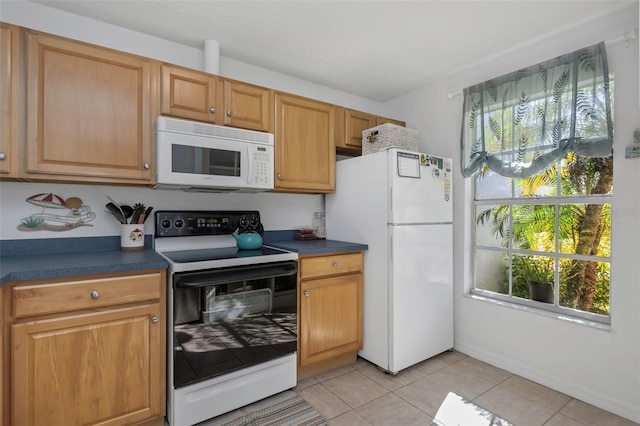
(212,57)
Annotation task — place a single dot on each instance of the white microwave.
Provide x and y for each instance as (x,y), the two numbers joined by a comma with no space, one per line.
(202,157)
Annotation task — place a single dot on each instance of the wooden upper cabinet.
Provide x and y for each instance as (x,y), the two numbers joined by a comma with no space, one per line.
(350,127)
(189,94)
(248,106)
(383,120)
(10,93)
(304,145)
(197,95)
(90,112)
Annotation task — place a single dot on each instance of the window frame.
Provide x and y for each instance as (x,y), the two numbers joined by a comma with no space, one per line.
(552,200)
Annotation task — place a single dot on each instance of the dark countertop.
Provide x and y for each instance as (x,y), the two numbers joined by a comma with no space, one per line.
(34,259)
(56,265)
(24,260)
(311,247)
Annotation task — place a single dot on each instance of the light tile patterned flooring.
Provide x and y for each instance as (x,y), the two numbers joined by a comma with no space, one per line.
(360,395)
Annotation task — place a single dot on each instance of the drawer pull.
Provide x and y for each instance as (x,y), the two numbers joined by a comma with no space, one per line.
(306,293)
(154,319)
(335,265)
(95,294)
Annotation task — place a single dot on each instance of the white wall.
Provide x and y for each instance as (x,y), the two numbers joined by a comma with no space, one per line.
(279,211)
(601,367)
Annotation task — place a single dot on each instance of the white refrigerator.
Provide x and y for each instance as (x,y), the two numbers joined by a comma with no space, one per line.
(399,203)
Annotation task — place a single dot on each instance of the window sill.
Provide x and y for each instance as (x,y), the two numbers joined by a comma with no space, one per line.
(548,314)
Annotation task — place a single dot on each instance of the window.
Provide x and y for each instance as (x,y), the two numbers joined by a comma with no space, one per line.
(545,240)
(543,233)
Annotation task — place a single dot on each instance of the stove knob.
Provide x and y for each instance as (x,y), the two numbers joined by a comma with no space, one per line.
(254,222)
(244,222)
(179,223)
(166,224)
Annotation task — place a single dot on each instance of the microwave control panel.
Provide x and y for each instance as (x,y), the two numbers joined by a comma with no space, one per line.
(262,169)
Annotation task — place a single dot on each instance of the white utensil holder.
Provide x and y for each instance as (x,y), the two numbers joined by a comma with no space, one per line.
(132,237)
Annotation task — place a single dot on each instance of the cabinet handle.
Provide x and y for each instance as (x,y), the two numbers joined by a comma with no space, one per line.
(2,156)
(335,265)
(279,176)
(229,113)
(154,319)
(212,110)
(95,294)
(306,293)
(146,166)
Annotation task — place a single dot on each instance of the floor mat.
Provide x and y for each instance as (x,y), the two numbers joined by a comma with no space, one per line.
(283,409)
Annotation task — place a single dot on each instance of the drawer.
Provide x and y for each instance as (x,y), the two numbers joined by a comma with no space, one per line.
(48,298)
(330,265)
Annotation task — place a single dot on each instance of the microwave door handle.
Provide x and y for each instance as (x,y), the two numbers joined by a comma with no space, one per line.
(250,161)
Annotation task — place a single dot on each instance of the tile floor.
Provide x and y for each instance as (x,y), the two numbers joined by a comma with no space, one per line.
(438,391)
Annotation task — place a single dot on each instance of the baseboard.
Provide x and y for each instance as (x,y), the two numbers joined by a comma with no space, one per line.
(598,399)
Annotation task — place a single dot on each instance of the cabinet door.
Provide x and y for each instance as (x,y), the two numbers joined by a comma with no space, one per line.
(383,120)
(10,78)
(188,94)
(87,369)
(304,152)
(355,123)
(330,317)
(90,112)
(247,106)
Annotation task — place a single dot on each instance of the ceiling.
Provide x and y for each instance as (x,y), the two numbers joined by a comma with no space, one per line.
(374,49)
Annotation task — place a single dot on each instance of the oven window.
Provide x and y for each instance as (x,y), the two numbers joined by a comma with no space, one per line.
(205,161)
(237,324)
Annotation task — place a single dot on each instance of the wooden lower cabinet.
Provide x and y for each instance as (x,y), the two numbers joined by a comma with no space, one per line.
(331,298)
(93,365)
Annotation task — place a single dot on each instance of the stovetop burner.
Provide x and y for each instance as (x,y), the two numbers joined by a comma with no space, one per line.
(198,240)
(186,256)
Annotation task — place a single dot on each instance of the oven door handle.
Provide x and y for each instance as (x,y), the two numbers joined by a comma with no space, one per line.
(237,273)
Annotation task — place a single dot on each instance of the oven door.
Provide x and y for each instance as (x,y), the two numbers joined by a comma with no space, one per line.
(231,318)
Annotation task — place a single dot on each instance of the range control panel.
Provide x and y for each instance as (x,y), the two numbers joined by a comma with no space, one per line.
(178,223)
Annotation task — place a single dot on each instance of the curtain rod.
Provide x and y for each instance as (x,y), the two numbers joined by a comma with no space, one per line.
(626,37)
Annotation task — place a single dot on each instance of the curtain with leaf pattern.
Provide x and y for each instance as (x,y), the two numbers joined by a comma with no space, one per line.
(521,123)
